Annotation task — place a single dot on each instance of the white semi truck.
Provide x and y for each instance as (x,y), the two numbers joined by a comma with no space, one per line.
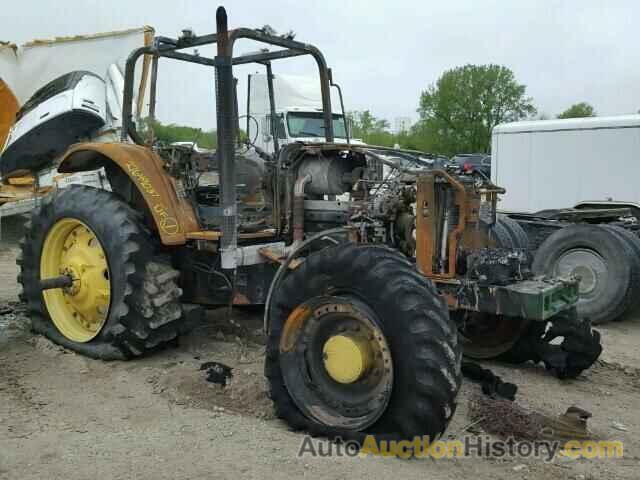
(298,109)
(571,187)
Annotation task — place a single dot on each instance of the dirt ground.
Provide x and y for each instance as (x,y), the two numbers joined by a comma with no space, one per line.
(66,416)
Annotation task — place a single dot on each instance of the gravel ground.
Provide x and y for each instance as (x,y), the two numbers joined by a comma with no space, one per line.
(66,416)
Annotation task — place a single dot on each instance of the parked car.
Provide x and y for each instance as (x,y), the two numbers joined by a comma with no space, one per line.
(473,162)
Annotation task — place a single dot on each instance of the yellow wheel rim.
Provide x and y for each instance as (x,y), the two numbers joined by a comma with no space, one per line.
(81,310)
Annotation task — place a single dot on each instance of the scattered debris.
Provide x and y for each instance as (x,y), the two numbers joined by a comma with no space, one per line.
(506,418)
(491,383)
(572,423)
(579,348)
(619,426)
(217,373)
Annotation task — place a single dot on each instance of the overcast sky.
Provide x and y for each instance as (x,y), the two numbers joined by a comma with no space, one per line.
(384,53)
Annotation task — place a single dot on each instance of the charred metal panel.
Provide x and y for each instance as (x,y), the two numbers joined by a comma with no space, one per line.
(173,216)
(203,282)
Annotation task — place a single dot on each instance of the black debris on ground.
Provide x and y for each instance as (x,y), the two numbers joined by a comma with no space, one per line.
(217,372)
(492,385)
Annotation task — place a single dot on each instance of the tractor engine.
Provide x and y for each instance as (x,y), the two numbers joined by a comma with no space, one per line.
(309,188)
(330,189)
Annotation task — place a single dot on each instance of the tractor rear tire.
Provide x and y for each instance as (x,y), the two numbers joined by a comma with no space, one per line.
(141,310)
(603,261)
(409,316)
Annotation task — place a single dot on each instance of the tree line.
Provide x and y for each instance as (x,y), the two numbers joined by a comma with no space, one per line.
(456,114)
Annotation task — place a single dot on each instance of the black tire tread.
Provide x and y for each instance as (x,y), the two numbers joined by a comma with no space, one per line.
(632,252)
(516,232)
(139,321)
(431,359)
(599,239)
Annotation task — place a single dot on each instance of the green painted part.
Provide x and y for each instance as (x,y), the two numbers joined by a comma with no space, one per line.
(534,299)
(542,299)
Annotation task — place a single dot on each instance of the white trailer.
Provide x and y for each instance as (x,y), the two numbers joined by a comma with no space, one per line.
(553,164)
(571,186)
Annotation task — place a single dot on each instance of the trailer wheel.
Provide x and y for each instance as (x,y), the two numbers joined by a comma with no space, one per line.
(506,232)
(632,252)
(123,301)
(361,343)
(516,232)
(602,261)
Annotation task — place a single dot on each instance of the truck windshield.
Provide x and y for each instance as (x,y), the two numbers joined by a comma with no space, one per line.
(311,124)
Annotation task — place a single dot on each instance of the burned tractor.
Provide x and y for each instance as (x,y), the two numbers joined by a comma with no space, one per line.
(359,339)
(479,262)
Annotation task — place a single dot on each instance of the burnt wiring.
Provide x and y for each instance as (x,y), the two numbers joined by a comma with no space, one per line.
(231,285)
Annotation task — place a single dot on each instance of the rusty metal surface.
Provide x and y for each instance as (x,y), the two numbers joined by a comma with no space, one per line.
(8,108)
(305,332)
(427,235)
(168,47)
(174,217)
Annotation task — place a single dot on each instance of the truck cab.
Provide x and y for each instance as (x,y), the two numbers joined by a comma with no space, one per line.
(296,124)
(298,110)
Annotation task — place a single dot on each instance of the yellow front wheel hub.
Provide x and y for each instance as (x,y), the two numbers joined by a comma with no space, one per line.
(81,310)
(346,358)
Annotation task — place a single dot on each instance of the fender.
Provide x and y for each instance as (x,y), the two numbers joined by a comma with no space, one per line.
(173,216)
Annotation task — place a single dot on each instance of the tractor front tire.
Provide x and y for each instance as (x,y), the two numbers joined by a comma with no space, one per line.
(124,300)
(361,343)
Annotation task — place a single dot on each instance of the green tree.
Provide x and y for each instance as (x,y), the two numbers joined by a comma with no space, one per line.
(170,133)
(458,113)
(578,110)
(370,129)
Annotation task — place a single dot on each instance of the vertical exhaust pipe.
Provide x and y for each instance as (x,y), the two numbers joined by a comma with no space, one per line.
(225,103)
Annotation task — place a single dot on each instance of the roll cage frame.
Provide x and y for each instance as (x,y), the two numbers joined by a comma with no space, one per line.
(225,39)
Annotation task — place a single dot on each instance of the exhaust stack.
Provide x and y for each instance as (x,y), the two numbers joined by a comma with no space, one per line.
(226,122)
